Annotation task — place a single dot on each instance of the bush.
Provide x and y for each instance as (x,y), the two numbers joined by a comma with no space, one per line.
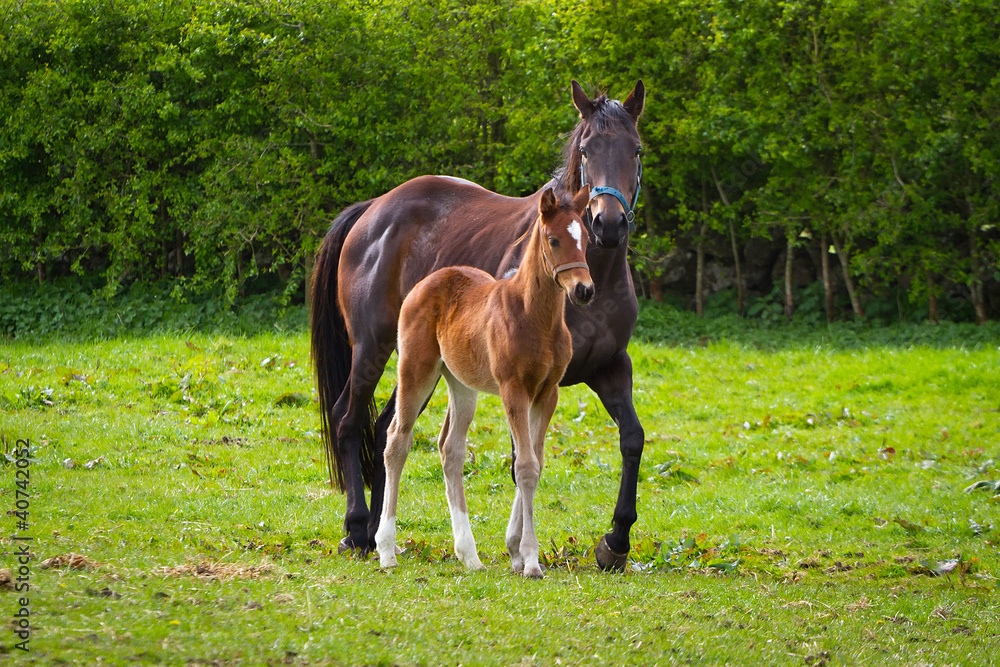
(79,309)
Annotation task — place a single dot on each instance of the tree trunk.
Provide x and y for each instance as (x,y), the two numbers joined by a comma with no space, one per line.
(310,263)
(699,281)
(789,294)
(655,289)
(900,313)
(179,250)
(739,270)
(975,282)
(824,260)
(932,304)
(165,266)
(845,262)
(699,276)
(978,301)
(736,250)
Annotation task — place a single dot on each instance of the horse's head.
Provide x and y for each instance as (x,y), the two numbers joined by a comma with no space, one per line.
(605,151)
(564,240)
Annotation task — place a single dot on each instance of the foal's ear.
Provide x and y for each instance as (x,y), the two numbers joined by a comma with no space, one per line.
(581,199)
(582,101)
(548,206)
(635,100)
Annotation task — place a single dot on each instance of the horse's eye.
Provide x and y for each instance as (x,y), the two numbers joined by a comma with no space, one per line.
(583,152)
(638,151)
(554,242)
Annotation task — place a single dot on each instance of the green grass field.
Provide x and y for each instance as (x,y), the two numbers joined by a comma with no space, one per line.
(801,505)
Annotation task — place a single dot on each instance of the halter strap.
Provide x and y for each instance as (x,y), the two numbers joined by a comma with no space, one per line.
(614,192)
(554,271)
(567,266)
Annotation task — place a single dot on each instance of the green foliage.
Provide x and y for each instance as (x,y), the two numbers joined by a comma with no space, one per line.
(73,309)
(215,140)
(666,324)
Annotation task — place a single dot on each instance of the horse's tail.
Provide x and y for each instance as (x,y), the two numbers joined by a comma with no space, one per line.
(331,347)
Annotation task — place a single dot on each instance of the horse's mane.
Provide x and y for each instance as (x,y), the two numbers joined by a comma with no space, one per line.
(609,116)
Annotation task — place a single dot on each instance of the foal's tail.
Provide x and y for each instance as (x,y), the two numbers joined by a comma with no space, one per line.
(331,348)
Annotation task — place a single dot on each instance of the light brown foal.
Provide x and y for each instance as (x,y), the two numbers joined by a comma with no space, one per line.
(506,337)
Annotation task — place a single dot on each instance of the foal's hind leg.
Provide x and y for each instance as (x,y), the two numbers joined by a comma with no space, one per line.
(452,447)
(418,375)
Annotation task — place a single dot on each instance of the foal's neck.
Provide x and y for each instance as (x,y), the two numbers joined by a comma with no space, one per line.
(543,297)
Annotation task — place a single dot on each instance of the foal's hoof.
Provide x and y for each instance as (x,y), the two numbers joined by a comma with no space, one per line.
(608,559)
(536,572)
(347,546)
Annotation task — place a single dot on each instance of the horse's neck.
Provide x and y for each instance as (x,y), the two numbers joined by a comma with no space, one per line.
(608,267)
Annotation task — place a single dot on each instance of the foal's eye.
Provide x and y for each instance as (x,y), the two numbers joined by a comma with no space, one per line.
(554,242)
(638,151)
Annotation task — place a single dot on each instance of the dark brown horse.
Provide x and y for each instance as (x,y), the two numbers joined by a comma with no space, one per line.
(376,251)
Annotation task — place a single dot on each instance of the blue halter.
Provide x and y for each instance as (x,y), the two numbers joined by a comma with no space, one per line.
(606,190)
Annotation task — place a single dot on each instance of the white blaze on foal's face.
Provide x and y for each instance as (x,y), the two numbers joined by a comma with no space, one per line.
(577,233)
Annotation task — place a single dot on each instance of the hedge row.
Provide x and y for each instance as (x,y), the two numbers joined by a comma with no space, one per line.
(214,141)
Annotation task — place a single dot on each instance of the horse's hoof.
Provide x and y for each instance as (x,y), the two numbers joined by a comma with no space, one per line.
(608,559)
(347,546)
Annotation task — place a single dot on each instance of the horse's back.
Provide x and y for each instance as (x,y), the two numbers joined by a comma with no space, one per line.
(422,225)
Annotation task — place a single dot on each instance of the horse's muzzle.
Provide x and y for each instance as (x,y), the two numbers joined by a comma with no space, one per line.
(610,231)
(582,294)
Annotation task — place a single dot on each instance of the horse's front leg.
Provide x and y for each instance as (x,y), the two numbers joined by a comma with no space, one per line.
(613,385)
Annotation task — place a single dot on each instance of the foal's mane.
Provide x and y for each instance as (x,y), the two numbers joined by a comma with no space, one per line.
(609,116)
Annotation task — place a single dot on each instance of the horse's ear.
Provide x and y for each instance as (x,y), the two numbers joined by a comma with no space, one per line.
(548,206)
(582,101)
(635,100)
(581,199)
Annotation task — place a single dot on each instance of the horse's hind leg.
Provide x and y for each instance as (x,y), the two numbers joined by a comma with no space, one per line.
(352,416)
(452,447)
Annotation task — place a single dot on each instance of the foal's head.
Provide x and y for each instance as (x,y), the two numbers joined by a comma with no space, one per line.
(564,242)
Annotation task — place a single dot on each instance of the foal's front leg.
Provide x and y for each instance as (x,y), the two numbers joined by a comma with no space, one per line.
(523,419)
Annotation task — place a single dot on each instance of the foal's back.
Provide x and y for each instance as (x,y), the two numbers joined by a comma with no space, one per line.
(446,318)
